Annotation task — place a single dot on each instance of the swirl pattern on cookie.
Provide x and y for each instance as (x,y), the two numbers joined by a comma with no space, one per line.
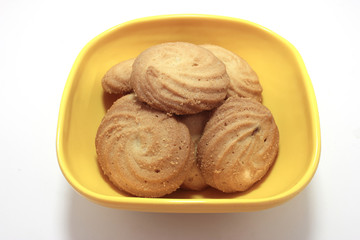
(180,78)
(239,144)
(143,151)
(244,82)
(117,79)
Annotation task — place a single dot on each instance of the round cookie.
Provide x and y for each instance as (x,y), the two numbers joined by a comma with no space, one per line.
(195,123)
(239,144)
(143,151)
(244,82)
(194,179)
(180,78)
(117,79)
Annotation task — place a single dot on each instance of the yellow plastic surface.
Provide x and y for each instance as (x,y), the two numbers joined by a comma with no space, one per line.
(288,93)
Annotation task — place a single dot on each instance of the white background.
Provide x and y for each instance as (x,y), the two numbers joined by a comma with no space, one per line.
(39,41)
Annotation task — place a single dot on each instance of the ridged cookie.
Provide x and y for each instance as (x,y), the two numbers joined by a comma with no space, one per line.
(244,82)
(195,123)
(117,79)
(239,144)
(180,78)
(143,151)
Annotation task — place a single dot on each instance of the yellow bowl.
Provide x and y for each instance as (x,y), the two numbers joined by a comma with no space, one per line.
(288,93)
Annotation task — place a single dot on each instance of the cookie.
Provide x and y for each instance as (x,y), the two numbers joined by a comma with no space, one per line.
(179,78)
(195,123)
(239,144)
(244,82)
(117,79)
(143,151)
(194,179)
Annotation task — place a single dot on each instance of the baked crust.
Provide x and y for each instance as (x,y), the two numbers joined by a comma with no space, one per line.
(117,79)
(180,78)
(239,144)
(244,82)
(143,151)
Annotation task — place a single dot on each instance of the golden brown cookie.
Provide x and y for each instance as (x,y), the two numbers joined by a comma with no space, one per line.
(143,151)
(194,179)
(243,80)
(117,79)
(195,123)
(239,144)
(180,78)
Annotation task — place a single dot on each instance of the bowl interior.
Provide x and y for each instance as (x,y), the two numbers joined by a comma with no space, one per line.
(287,92)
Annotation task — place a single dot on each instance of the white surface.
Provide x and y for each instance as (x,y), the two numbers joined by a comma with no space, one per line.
(39,42)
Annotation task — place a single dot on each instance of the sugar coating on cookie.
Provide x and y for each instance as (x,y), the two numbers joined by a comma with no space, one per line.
(117,79)
(244,81)
(239,144)
(179,78)
(143,151)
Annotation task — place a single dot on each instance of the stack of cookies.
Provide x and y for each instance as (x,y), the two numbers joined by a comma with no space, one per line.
(190,116)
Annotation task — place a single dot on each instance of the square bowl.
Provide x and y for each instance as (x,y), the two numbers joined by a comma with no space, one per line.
(287,92)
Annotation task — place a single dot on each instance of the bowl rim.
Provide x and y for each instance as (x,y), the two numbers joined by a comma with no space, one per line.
(200,205)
